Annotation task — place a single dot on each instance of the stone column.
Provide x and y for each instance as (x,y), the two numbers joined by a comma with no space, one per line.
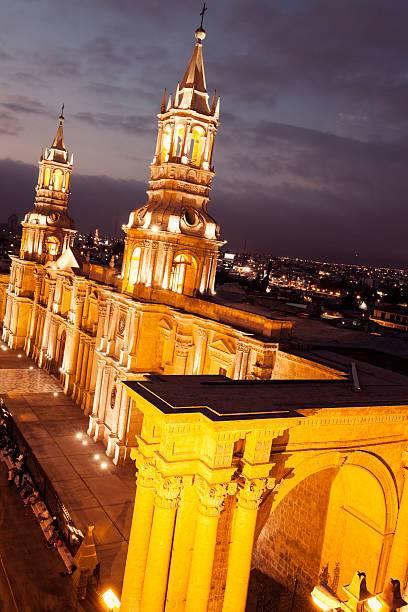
(167,267)
(201,349)
(46,333)
(183,545)
(101,321)
(85,366)
(159,141)
(34,313)
(139,537)
(211,280)
(161,539)
(124,352)
(120,449)
(180,360)
(211,503)
(241,361)
(240,550)
(100,419)
(73,349)
(398,562)
(104,339)
(78,368)
(95,409)
(152,262)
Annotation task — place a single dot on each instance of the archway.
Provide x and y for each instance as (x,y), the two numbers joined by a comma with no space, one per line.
(326,522)
(135,266)
(183,274)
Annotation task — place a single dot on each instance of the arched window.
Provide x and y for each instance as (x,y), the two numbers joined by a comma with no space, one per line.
(52,245)
(197,144)
(58,179)
(179,141)
(183,274)
(66,181)
(47,176)
(166,142)
(134,266)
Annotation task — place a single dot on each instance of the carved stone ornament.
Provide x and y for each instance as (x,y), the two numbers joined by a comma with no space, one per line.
(212,496)
(168,490)
(114,393)
(122,325)
(250,496)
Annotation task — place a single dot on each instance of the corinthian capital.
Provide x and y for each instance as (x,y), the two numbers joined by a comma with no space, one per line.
(146,471)
(212,496)
(243,347)
(250,495)
(168,491)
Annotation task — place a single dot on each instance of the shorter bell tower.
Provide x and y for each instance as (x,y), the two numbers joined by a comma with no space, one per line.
(48,230)
(172,242)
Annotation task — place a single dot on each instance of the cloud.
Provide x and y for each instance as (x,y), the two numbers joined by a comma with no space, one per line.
(9,125)
(24,104)
(133,124)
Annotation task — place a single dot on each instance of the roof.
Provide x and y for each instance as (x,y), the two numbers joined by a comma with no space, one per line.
(192,91)
(222,399)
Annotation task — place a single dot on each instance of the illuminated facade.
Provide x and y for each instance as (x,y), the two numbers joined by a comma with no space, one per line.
(221,462)
(83,322)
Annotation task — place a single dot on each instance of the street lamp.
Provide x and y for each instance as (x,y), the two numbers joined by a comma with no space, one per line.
(359,598)
(110,600)
(390,599)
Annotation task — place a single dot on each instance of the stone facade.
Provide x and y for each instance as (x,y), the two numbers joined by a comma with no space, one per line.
(93,327)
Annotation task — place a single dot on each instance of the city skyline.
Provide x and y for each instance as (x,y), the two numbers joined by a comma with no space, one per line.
(311,148)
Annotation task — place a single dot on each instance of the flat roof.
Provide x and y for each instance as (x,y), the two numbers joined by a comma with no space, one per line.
(222,399)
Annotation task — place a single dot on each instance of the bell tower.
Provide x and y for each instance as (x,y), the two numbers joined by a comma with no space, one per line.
(48,230)
(172,242)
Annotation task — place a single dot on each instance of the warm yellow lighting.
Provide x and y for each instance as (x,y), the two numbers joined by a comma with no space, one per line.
(155,229)
(79,435)
(55,394)
(97,457)
(324,599)
(104,465)
(31,368)
(110,600)
(374,604)
(19,356)
(84,442)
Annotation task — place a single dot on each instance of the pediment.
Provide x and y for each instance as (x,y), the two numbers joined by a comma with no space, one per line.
(222,346)
(69,260)
(166,325)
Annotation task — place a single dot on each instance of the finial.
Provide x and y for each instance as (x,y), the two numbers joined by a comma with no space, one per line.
(164,101)
(200,33)
(61,117)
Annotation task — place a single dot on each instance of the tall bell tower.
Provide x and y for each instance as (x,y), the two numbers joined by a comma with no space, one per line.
(48,230)
(172,242)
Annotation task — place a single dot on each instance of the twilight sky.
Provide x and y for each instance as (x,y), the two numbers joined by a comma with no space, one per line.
(311,155)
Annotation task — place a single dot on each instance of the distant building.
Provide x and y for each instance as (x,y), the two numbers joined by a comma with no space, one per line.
(393,317)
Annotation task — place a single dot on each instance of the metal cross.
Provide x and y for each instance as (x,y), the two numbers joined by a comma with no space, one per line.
(203,12)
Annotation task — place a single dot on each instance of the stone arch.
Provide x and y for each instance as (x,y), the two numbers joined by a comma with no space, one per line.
(332,512)
(184,273)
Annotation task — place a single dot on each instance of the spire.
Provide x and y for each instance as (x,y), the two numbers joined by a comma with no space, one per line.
(58,142)
(193,88)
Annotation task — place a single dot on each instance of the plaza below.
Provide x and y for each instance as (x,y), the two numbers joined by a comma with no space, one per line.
(90,486)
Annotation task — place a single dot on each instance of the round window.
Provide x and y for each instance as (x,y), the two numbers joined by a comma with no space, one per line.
(190,216)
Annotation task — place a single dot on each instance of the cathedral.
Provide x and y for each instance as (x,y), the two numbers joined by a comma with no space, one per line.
(93,327)
(250,456)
